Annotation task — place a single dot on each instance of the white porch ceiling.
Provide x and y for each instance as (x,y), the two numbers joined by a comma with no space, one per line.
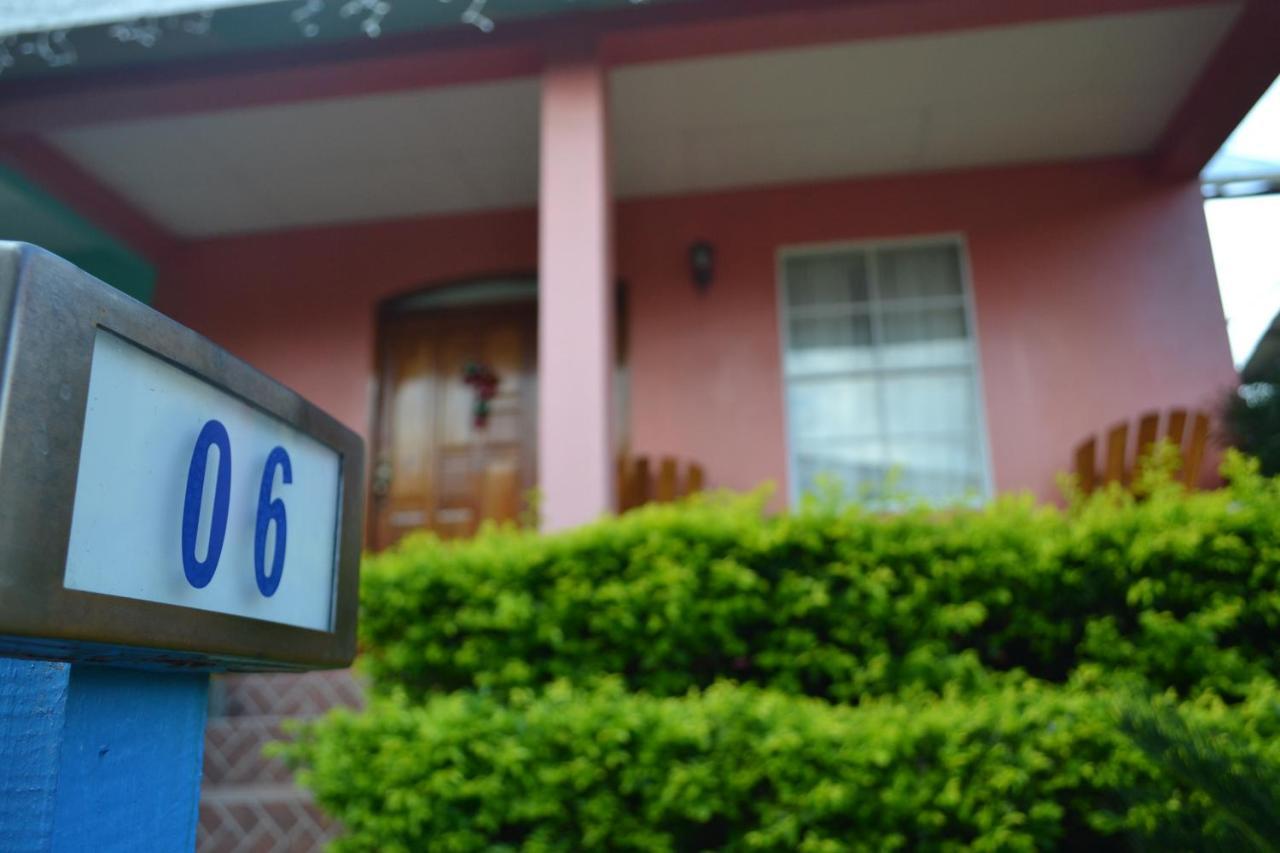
(1059,91)
(351,159)
(1042,92)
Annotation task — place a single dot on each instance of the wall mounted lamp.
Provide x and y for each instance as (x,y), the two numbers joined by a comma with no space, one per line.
(702,264)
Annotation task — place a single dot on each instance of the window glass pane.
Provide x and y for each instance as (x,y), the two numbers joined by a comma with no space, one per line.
(881,387)
(826,279)
(940,469)
(924,405)
(851,330)
(918,271)
(839,407)
(859,469)
(923,338)
(829,344)
(930,324)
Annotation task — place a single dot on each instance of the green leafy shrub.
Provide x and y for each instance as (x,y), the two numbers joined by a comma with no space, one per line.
(1240,780)
(701,676)
(843,604)
(1025,766)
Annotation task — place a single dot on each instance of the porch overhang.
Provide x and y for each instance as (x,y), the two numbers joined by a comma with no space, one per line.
(705,96)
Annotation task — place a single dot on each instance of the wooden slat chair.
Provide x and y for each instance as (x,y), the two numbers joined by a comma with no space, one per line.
(637,485)
(1120,467)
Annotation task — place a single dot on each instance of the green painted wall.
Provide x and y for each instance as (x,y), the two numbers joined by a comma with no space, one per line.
(30,215)
(121,269)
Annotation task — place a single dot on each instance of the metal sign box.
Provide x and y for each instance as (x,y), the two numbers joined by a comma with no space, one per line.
(162,503)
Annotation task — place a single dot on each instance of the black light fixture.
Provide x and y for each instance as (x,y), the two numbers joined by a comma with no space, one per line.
(702,264)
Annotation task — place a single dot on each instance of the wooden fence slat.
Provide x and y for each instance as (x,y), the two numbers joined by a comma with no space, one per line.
(1117,440)
(1117,467)
(1148,429)
(1087,465)
(665,489)
(694,483)
(1194,457)
(623,482)
(633,482)
(637,486)
(642,480)
(1177,426)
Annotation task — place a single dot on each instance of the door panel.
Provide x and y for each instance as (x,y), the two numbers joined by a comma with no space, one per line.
(457,349)
(437,468)
(411,433)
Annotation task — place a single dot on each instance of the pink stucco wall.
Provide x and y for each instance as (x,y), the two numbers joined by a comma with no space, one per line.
(302,305)
(1094,290)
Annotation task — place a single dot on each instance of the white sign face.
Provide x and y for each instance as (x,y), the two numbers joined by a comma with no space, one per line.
(186,495)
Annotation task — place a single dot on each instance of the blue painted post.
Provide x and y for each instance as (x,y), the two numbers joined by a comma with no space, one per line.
(98,399)
(101,759)
(33,699)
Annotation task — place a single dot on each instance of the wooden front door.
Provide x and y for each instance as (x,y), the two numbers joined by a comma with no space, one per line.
(439,464)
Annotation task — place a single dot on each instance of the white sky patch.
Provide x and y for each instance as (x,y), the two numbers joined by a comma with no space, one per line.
(1253,149)
(1245,233)
(35,16)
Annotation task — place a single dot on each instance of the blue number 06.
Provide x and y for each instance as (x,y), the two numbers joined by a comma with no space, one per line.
(200,572)
(271,510)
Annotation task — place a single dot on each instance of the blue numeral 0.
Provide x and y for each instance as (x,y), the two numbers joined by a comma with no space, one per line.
(271,510)
(200,572)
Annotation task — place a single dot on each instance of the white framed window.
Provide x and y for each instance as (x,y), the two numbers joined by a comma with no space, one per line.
(881,371)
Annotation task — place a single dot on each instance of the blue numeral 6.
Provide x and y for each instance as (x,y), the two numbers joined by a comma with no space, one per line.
(200,572)
(271,510)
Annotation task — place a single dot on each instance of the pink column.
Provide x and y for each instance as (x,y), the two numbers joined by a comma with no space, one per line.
(575,295)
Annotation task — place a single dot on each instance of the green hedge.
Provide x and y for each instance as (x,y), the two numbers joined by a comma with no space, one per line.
(843,604)
(1025,766)
(702,676)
